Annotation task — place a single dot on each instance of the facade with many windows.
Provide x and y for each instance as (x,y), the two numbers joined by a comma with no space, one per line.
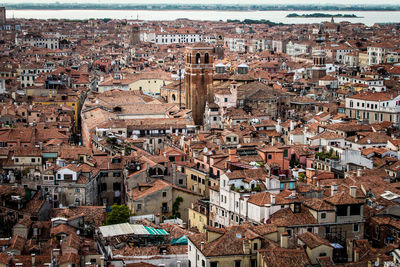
(374,107)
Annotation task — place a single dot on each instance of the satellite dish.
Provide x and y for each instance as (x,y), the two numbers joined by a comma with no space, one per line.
(134,137)
(138,168)
(205,150)
(238,235)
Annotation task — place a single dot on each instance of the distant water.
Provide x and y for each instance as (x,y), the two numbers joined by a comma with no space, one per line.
(368,18)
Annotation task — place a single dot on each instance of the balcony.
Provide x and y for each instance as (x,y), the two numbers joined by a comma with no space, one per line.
(164,209)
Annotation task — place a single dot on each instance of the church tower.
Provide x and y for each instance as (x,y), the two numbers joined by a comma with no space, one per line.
(2,16)
(319,56)
(135,35)
(319,64)
(199,79)
(219,46)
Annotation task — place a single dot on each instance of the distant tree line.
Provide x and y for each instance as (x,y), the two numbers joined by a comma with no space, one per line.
(252,21)
(321,15)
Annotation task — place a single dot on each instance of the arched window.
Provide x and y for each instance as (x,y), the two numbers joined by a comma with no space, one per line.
(173,97)
(206,58)
(198,58)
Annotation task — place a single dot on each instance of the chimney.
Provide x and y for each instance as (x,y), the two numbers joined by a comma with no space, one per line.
(359,172)
(272,199)
(33,260)
(353,190)
(232,155)
(202,245)
(334,189)
(356,255)
(246,246)
(267,212)
(291,126)
(284,240)
(174,176)
(56,252)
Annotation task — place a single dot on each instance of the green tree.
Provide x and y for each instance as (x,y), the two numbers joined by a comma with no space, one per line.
(302,177)
(175,207)
(118,214)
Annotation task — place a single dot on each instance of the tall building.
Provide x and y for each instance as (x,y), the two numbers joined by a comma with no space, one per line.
(219,46)
(199,79)
(2,15)
(319,64)
(135,35)
(319,57)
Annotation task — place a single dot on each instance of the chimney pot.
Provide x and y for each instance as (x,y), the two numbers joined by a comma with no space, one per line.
(353,191)
(334,189)
(284,240)
(272,199)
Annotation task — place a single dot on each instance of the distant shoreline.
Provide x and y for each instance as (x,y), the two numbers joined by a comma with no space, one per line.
(322,15)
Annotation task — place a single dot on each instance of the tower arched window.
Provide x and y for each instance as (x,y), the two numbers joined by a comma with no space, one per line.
(198,58)
(206,58)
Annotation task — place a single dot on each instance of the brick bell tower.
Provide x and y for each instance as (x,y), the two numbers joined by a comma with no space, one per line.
(199,79)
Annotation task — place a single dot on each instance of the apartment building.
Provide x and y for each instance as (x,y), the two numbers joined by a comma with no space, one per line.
(374,107)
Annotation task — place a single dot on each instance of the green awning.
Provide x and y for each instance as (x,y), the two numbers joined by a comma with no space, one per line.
(183,240)
(154,231)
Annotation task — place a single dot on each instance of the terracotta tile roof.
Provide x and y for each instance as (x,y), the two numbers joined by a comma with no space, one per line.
(312,240)
(155,186)
(17,243)
(380,96)
(133,251)
(253,174)
(62,229)
(260,199)
(318,205)
(279,257)
(343,198)
(94,214)
(69,258)
(229,243)
(26,260)
(5,258)
(286,217)
(370,138)
(264,229)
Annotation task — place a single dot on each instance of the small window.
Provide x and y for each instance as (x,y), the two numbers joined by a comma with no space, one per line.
(33,160)
(164,194)
(289,231)
(77,190)
(355,227)
(323,215)
(138,207)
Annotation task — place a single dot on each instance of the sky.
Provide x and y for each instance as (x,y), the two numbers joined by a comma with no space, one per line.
(344,2)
